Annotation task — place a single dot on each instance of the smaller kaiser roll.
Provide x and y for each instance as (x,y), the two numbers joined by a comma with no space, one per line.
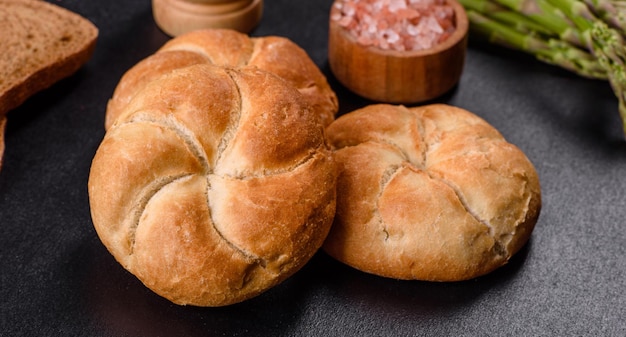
(428,193)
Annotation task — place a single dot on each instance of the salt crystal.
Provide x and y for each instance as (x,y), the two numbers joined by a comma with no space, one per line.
(422,42)
(395,5)
(407,14)
(392,36)
(349,9)
(382,24)
(372,28)
(433,25)
(345,21)
(397,24)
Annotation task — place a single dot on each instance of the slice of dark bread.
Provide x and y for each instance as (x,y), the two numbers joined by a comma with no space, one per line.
(40,44)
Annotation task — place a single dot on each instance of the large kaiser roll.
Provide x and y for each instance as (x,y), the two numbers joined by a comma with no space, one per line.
(213,185)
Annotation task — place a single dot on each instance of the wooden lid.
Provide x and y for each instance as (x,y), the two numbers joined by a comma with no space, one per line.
(176,17)
(401,77)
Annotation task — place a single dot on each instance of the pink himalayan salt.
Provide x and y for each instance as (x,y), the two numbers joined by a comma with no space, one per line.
(403,25)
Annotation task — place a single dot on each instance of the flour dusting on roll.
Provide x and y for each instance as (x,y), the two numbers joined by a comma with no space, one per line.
(428,193)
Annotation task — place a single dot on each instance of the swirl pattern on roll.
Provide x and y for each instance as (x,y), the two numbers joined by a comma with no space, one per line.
(213,184)
(429,193)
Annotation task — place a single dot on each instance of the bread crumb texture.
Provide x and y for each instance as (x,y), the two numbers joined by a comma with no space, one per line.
(213,184)
(428,193)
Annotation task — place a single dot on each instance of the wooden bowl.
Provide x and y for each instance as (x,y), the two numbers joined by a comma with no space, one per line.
(401,77)
(176,17)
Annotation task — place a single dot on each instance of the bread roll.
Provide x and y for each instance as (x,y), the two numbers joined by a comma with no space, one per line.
(213,185)
(429,193)
(231,49)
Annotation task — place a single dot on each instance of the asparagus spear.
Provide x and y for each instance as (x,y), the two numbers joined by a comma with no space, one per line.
(609,49)
(548,16)
(613,12)
(575,35)
(606,44)
(506,16)
(549,50)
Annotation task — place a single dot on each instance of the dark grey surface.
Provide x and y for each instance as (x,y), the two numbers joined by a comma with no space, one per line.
(57,279)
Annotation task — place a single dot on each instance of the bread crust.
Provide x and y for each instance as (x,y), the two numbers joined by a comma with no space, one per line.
(428,193)
(213,185)
(46,44)
(231,49)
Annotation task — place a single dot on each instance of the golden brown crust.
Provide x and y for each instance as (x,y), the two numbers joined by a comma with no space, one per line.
(45,42)
(429,193)
(213,184)
(230,49)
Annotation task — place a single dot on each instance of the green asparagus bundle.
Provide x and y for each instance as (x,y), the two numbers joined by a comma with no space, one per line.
(582,36)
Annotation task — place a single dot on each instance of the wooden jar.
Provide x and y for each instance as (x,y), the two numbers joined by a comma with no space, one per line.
(176,17)
(401,77)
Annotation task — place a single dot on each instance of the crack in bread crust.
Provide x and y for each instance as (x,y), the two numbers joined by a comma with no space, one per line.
(144,198)
(251,258)
(385,178)
(233,124)
(268,173)
(499,248)
(171,123)
(255,49)
(192,48)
